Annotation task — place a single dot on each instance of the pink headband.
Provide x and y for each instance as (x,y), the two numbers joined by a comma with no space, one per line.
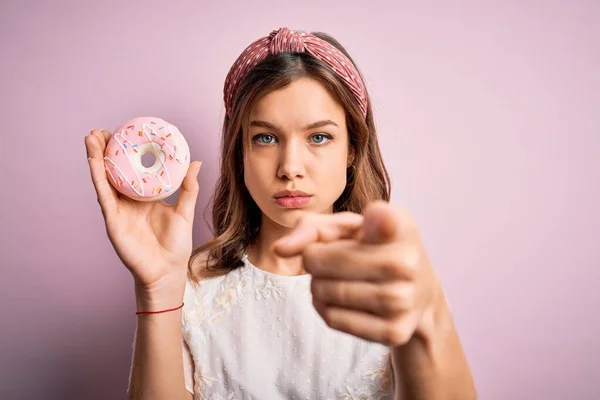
(285,40)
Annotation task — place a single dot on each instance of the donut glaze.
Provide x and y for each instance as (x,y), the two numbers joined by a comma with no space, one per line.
(123,159)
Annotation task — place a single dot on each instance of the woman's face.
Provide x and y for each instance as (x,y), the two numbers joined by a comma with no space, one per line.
(296,139)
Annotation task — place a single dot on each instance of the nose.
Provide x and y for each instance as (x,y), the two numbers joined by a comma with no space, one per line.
(291,160)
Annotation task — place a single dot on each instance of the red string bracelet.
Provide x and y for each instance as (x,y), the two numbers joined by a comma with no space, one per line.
(159,312)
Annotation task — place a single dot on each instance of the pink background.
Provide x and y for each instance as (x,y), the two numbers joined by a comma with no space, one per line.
(489,117)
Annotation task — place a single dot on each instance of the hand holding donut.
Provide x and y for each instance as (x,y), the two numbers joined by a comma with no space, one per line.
(152,238)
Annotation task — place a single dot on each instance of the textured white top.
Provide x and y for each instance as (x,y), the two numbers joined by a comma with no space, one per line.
(252,334)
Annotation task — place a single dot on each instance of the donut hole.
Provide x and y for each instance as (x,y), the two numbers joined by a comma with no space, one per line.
(148,159)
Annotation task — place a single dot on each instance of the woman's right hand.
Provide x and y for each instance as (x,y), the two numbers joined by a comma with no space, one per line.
(153,239)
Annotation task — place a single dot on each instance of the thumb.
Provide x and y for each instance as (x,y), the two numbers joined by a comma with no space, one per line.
(186,203)
(381,223)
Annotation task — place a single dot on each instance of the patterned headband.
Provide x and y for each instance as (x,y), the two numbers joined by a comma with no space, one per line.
(285,40)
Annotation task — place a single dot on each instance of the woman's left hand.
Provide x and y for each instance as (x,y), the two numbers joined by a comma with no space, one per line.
(371,275)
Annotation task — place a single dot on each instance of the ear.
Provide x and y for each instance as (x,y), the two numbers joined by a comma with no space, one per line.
(351,156)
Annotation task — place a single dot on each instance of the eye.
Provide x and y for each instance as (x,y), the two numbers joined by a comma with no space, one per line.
(321,138)
(264,139)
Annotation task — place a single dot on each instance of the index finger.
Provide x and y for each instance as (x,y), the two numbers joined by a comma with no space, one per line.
(318,228)
(95,143)
(189,192)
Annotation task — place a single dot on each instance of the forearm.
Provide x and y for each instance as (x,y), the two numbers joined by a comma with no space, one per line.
(433,365)
(157,370)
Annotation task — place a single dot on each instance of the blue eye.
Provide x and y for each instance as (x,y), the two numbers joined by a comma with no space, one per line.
(321,138)
(264,138)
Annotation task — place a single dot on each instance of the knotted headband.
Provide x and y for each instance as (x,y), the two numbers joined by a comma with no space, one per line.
(286,40)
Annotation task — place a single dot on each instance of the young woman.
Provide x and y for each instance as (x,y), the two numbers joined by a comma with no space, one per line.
(314,286)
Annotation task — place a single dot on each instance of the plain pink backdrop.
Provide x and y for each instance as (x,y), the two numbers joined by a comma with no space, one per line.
(489,117)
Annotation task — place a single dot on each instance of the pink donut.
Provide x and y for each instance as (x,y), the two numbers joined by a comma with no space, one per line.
(123,159)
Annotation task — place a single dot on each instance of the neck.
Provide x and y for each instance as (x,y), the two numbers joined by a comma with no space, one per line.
(262,257)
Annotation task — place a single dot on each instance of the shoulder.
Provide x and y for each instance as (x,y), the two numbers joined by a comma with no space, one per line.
(198,261)
(204,264)
(200,264)
(204,268)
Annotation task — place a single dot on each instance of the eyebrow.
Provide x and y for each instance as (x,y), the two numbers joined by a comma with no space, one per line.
(314,125)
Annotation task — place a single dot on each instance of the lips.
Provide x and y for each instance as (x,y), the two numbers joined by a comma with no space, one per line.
(292,198)
(293,201)
(291,193)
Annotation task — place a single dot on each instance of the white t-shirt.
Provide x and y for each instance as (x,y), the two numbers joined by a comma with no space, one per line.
(252,334)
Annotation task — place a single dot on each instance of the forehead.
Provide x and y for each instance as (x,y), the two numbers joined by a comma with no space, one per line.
(302,102)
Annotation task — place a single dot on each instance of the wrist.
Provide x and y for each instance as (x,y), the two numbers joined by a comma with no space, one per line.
(419,360)
(432,331)
(433,363)
(166,293)
(153,305)
(436,321)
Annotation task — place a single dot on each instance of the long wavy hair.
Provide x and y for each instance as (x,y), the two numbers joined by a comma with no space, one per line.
(236,218)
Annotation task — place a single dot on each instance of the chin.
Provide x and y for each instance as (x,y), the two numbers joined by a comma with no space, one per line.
(287,217)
